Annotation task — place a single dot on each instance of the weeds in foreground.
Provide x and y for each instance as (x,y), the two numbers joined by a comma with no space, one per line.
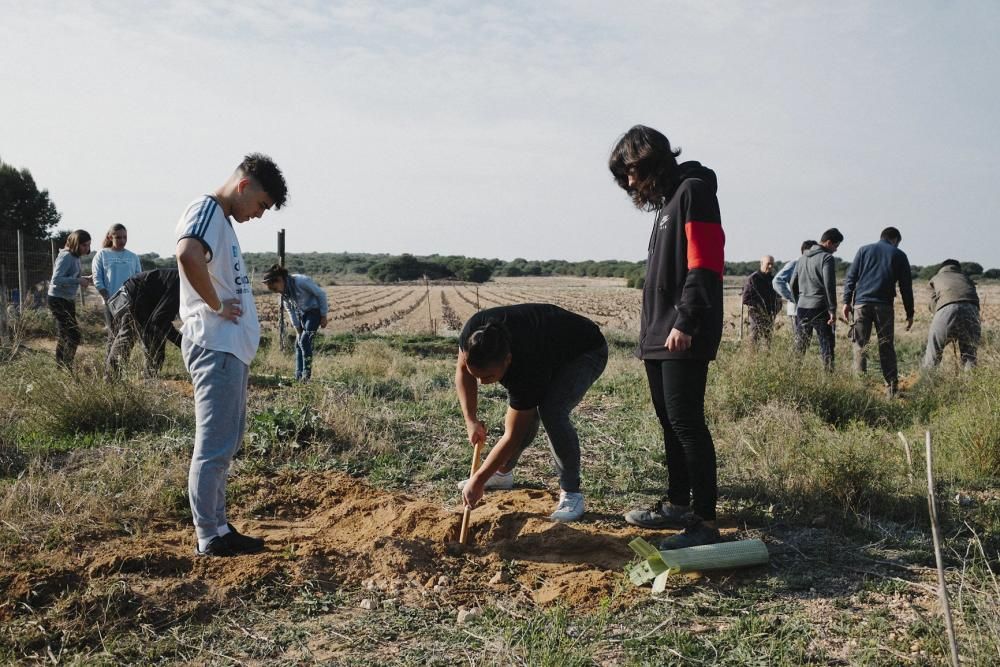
(794,446)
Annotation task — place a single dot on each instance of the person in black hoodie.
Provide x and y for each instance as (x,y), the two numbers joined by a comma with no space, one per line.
(145,308)
(681,323)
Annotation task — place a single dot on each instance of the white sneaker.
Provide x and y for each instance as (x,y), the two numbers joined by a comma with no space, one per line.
(498,481)
(570,507)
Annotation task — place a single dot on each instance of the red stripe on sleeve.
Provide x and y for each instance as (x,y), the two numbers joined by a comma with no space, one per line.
(705,245)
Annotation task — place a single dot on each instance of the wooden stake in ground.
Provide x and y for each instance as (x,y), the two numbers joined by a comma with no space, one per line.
(942,588)
(467,515)
(909,458)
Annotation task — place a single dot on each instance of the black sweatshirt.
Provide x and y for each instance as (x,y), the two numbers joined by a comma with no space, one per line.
(543,339)
(683,288)
(155,298)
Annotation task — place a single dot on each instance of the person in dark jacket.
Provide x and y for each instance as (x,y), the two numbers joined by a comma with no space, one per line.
(681,323)
(955,305)
(762,302)
(814,287)
(869,291)
(144,307)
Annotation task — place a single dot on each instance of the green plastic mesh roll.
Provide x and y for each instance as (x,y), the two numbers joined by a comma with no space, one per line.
(659,565)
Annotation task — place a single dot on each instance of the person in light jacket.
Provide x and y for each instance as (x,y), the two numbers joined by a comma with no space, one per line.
(307,308)
(66,280)
(814,286)
(782,285)
(112,266)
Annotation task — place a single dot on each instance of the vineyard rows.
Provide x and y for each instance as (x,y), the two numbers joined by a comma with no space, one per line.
(444,309)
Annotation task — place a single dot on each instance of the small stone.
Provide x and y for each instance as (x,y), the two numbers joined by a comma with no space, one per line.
(367,604)
(443,580)
(963,500)
(499,578)
(438,588)
(390,603)
(467,615)
(368,585)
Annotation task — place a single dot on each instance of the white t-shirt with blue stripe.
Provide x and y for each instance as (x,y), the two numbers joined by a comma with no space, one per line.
(203,220)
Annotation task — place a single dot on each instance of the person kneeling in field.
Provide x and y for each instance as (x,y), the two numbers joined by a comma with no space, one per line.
(547,358)
(306,304)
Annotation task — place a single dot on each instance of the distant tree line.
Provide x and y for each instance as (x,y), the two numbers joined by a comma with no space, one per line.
(385,268)
(25,208)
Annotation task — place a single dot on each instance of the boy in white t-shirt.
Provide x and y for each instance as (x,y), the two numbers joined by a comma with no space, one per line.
(220,336)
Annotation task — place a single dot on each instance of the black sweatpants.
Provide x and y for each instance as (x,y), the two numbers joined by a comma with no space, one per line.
(677,387)
(67,330)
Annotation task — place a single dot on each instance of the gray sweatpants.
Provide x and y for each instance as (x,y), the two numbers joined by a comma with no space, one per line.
(220,411)
(564,393)
(957,322)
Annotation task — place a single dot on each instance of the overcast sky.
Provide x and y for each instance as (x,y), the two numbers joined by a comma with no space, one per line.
(484,129)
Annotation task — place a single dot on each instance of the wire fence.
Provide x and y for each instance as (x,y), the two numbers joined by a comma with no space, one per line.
(25,268)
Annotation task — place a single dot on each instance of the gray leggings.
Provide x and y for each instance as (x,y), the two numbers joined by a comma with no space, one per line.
(957,322)
(565,391)
(220,411)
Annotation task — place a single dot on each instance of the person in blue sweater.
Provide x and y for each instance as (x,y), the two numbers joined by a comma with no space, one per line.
(869,292)
(307,308)
(112,266)
(66,280)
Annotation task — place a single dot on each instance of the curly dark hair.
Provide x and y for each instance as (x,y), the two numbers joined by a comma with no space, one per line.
(265,172)
(649,153)
(488,345)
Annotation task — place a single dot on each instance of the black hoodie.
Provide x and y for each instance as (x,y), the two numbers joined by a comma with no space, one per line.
(683,288)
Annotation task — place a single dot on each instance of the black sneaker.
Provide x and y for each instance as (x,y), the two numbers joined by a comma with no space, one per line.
(694,535)
(217,547)
(663,514)
(241,543)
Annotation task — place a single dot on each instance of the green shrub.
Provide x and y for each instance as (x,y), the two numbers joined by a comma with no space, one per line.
(742,381)
(966,433)
(57,406)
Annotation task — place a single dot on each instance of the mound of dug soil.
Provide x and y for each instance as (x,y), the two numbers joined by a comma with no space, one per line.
(337,532)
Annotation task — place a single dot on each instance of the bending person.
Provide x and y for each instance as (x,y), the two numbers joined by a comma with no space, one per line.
(547,358)
(307,308)
(955,305)
(145,308)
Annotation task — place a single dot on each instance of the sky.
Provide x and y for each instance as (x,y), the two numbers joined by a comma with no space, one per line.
(484,129)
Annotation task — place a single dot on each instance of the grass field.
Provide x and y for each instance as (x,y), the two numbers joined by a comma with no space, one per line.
(352,480)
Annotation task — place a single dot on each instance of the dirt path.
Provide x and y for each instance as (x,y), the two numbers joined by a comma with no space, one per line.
(335,531)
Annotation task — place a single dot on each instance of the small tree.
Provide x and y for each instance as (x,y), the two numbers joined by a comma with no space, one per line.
(23,206)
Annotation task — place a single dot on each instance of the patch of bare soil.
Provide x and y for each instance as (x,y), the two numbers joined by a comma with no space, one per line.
(333,531)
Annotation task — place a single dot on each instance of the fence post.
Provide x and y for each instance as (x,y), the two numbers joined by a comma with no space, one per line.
(430,317)
(21,280)
(281,298)
(3,306)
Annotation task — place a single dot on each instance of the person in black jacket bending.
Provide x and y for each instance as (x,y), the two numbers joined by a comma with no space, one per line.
(681,323)
(145,308)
